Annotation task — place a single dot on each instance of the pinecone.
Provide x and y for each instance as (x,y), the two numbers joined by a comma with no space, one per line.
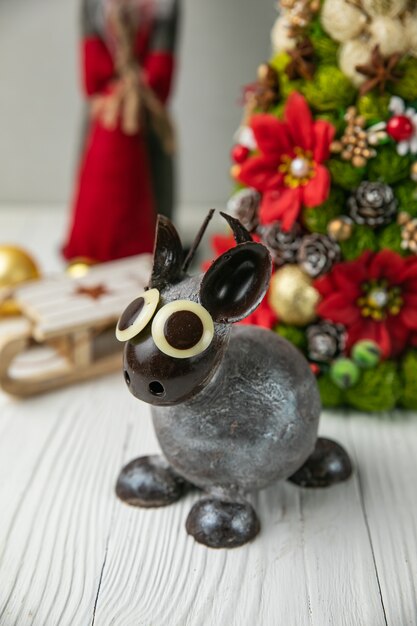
(283,245)
(244,205)
(317,254)
(373,204)
(325,341)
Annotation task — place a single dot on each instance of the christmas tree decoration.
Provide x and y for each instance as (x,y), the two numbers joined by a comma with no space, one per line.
(372,204)
(334,164)
(354,145)
(244,206)
(16,267)
(326,341)
(408,232)
(317,254)
(366,354)
(340,229)
(344,373)
(292,296)
(282,245)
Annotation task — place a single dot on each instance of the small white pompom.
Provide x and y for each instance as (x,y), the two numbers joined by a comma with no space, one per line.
(280,37)
(390,8)
(389,34)
(341,20)
(351,54)
(410,26)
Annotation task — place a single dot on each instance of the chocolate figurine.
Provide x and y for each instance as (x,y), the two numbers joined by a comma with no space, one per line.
(235,408)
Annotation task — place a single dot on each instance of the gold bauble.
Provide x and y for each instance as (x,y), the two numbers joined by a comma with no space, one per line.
(414,172)
(340,229)
(292,296)
(16,267)
(79,266)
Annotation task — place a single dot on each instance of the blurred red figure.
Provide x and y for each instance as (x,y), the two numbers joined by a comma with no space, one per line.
(126,170)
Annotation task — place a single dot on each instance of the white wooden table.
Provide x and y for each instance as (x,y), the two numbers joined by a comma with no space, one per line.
(71,554)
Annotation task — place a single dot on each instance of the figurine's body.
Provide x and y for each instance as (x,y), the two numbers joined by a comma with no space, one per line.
(249,443)
(126,170)
(234,409)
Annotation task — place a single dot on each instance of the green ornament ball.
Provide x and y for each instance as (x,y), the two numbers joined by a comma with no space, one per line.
(366,354)
(344,373)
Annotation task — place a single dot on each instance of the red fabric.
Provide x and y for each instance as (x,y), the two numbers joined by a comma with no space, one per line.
(278,140)
(159,69)
(113,212)
(343,286)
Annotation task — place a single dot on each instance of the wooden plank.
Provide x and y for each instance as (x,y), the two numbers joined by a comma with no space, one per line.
(387,449)
(302,569)
(59,456)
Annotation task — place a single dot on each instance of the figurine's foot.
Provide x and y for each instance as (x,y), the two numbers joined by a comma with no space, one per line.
(329,464)
(150,482)
(219,524)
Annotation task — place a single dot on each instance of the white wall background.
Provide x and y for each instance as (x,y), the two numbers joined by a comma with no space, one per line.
(40,107)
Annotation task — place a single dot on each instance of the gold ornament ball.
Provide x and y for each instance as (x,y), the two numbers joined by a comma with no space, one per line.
(340,229)
(414,172)
(16,267)
(79,266)
(292,296)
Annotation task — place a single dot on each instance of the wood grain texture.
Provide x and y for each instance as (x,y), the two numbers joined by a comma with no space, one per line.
(72,555)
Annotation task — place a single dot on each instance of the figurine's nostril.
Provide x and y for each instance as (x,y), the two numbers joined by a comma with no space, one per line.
(127,378)
(156,389)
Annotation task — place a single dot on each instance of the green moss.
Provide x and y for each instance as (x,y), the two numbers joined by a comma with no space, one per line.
(317,218)
(388,166)
(406,194)
(374,107)
(409,376)
(331,396)
(325,48)
(390,238)
(406,87)
(334,118)
(378,389)
(293,334)
(329,90)
(363,238)
(345,175)
(280,61)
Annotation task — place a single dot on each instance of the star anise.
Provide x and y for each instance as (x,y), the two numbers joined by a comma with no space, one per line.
(379,71)
(302,63)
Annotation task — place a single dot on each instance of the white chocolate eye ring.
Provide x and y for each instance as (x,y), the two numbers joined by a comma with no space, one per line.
(182,329)
(137,315)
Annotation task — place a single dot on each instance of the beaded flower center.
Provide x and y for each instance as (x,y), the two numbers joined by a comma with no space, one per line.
(379,300)
(298,170)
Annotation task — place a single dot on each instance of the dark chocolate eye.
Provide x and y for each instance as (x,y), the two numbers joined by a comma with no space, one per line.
(182,329)
(137,315)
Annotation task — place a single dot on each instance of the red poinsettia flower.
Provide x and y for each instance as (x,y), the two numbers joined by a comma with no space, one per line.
(263,316)
(375,297)
(289,170)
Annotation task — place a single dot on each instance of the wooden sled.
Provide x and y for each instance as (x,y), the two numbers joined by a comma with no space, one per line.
(66,332)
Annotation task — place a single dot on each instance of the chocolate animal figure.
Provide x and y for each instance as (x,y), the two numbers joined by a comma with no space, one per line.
(235,408)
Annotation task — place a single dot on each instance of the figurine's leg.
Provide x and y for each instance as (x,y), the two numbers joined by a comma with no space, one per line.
(329,464)
(219,523)
(150,482)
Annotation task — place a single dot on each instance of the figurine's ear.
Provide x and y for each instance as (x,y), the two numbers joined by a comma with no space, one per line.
(168,254)
(236,282)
